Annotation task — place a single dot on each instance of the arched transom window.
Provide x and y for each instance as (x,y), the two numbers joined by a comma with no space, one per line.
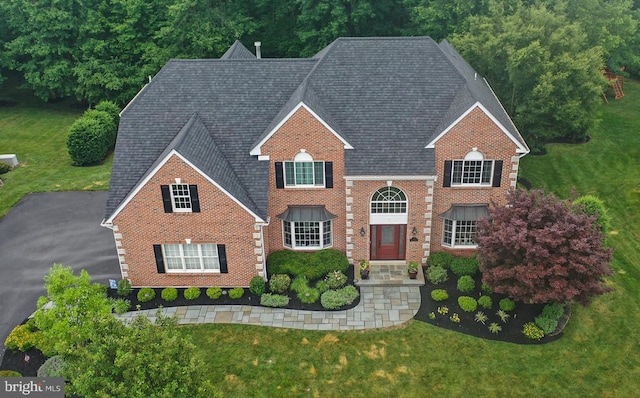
(389,200)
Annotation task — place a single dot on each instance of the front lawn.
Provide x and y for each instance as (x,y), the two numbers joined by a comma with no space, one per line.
(37,134)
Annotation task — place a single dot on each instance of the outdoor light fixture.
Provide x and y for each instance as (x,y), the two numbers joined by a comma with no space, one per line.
(362,231)
(414,231)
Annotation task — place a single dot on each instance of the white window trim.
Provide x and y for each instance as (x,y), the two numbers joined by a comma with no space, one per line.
(293,245)
(453,235)
(481,184)
(304,186)
(173,200)
(184,269)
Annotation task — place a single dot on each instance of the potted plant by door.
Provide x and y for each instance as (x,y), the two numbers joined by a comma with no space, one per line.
(364,269)
(412,267)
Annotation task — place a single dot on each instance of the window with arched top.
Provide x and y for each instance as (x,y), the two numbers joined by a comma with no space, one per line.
(473,170)
(389,200)
(304,171)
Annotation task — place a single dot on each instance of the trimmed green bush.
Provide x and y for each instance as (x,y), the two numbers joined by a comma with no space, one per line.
(334,299)
(486,288)
(312,265)
(236,293)
(335,279)
(436,274)
(485,302)
(279,283)
(440,259)
(465,266)
(52,367)
(532,331)
(273,300)
(322,286)
(146,294)
(23,338)
(169,293)
(89,138)
(466,284)
(594,206)
(214,292)
(506,304)
(468,304)
(124,287)
(113,111)
(308,295)
(257,285)
(10,373)
(5,167)
(439,295)
(192,293)
(120,306)
(548,319)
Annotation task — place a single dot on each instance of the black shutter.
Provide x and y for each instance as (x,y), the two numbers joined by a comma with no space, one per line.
(279,175)
(328,174)
(157,250)
(446,180)
(166,198)
(222,258)
(195,201)
(497,173)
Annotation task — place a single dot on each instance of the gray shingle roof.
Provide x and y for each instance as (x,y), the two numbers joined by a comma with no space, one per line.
(387,97)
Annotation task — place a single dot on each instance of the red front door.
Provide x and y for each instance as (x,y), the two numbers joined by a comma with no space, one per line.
(388,242)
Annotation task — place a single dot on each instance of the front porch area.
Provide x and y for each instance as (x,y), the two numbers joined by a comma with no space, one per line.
(389,273)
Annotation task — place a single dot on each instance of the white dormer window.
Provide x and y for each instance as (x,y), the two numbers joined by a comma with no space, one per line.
(473,170)
(303,171)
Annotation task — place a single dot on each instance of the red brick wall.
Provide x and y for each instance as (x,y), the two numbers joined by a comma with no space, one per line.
(143,223)
(479,131)
(303,131)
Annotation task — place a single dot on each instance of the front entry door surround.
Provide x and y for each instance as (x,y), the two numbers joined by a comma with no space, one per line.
(388,242)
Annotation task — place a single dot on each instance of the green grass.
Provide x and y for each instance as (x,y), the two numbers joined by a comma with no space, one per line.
(37,132)
(598,356)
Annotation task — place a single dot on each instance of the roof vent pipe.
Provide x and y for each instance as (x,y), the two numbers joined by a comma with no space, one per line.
(258,44)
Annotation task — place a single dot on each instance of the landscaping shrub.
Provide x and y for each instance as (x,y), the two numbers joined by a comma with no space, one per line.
(322,286)
(273,300)
(169,293)
(146,294)
(24,337)
(468,304)
(279,283)
(257,285)
(10,373)
(466,284)
(120,306)
(124,287)
(532,331)
(486,288)
(548,319)
(312,265)
(52,367)
(113,111)
(89,138)
(214,292)
(437,275)
(439,295)
(335,279)
(5,167)
(192,293)
(485,302)
(465,266)
(236,293)
(594,206)
(300,283)
(308,295)
(506,304)
(333,299)
(440,259)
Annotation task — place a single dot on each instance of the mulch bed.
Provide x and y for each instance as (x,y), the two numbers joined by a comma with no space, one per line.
(511,330)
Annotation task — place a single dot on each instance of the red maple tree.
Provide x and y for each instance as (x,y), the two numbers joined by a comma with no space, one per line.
(537,250)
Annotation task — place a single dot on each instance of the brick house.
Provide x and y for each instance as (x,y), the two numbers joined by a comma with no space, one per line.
(383,148)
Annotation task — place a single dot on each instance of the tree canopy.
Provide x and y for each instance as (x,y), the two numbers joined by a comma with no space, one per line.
(537,249)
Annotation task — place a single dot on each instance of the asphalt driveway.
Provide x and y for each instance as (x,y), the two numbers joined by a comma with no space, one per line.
(48,228)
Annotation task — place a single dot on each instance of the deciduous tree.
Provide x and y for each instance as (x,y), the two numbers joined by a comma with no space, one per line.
(538,250)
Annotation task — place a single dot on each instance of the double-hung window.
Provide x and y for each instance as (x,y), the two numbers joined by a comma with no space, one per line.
(303,171)
(307,234)
(200,257)
(473,170)
(180,197)
(459,233)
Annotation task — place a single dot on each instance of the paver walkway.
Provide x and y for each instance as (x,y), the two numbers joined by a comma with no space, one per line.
(380,306)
